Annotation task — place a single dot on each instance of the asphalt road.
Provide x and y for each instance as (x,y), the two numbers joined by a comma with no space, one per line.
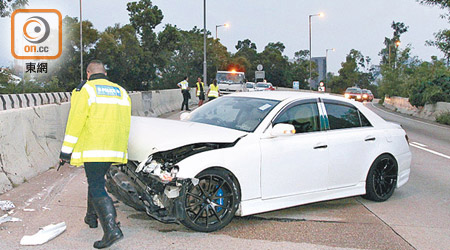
(416,217)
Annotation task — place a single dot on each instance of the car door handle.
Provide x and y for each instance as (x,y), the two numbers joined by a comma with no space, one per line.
(320,146)
(370,139)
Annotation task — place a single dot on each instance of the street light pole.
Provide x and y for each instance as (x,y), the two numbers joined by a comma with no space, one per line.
(81,42)
(220,25)
(326,62)
(397,43)
(310,57)
(204,42)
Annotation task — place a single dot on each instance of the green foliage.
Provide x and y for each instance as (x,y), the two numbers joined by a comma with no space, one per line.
(444,118)
(7,7)
(355,71)
(432,92)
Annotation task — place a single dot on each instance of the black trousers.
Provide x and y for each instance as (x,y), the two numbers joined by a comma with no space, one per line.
(185,93)
(95,173)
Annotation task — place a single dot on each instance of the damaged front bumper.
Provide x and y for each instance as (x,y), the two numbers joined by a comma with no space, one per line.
(160,199)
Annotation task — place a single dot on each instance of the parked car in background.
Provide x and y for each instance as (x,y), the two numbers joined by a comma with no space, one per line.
(367,95)
(254,152)
(354,93)
(264,86)
(250,86)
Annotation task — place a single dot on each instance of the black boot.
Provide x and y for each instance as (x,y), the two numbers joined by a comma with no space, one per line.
(91,216)
(107,215)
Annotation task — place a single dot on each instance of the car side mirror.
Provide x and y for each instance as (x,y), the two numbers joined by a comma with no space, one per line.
(185,116)
(282,129)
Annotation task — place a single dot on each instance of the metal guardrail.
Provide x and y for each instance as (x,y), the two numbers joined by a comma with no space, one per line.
(14,101)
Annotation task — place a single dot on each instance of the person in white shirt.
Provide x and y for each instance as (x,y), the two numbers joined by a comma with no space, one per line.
(184,86)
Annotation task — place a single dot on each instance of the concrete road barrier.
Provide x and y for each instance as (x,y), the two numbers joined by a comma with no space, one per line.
(31,136)
(429,111)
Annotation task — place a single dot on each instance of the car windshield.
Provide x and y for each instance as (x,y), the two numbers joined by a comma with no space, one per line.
(230,77)
(353,90)
(240,113)
(262,85)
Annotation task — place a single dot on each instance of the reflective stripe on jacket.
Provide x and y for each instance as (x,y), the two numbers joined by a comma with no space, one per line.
(98,126)
(200,89)
(213,91)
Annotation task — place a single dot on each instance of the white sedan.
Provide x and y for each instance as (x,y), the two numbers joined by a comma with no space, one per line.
(255,152)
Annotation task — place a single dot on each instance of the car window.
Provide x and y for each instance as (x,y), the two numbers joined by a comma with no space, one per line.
(304,117)
(240,113)
(342,116)
(364,121)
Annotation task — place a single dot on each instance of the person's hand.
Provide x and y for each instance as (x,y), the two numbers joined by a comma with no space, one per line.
(61,163)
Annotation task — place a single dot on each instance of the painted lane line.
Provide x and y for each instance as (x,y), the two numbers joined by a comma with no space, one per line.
(426,123)
(430,151)
(419,144)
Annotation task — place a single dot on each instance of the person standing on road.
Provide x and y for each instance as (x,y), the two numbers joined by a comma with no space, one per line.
(97,136)
(184,86)
(200,90)
(213,91)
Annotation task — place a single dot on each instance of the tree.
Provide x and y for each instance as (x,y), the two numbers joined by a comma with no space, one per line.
(7,7)
(275,64)
(442,37)
(355,71)
(442,42)
(390,43)
(246,49)
(299,69)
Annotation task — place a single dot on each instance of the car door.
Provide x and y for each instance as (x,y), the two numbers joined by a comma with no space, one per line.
(295,164)
(352,141)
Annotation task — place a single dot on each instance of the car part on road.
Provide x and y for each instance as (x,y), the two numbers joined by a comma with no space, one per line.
(44,235)
(6,205)
(6,218)
(382,178)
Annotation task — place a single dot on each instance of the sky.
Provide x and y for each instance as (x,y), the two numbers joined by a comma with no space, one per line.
(346,25)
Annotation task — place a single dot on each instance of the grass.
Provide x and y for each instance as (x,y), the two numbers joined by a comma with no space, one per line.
(444,118)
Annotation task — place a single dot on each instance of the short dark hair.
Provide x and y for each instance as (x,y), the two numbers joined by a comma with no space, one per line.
(185,78)
(95,67)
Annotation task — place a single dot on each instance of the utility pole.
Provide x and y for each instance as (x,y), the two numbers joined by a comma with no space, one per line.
(204,42)
(81,43)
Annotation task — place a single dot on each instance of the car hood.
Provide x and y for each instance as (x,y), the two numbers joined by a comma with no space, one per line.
(150,135)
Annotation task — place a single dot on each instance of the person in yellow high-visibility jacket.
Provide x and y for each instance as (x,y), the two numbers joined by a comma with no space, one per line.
(96,136)
(200,91)
(213,91)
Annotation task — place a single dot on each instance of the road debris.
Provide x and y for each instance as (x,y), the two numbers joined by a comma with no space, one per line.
(44,235)
(6,205)
(29,209)
(6,218)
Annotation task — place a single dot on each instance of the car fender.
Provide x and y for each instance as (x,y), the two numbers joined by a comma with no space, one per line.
(242,160)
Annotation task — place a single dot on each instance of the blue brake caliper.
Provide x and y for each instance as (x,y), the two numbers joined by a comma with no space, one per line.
(219,201)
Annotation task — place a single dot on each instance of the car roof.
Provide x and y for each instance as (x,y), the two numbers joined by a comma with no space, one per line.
(285,95)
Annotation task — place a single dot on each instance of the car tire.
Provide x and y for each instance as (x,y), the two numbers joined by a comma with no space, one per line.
(381,179)
(211,204)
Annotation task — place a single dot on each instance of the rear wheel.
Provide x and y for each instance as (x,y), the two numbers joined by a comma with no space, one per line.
(382,178)
(211,204)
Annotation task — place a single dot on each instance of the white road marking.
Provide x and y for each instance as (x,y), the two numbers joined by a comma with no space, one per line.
(430,151)
(426,123)
(419,144)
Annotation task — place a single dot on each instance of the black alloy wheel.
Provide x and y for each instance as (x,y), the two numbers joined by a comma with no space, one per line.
(382,178)
(211,204)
